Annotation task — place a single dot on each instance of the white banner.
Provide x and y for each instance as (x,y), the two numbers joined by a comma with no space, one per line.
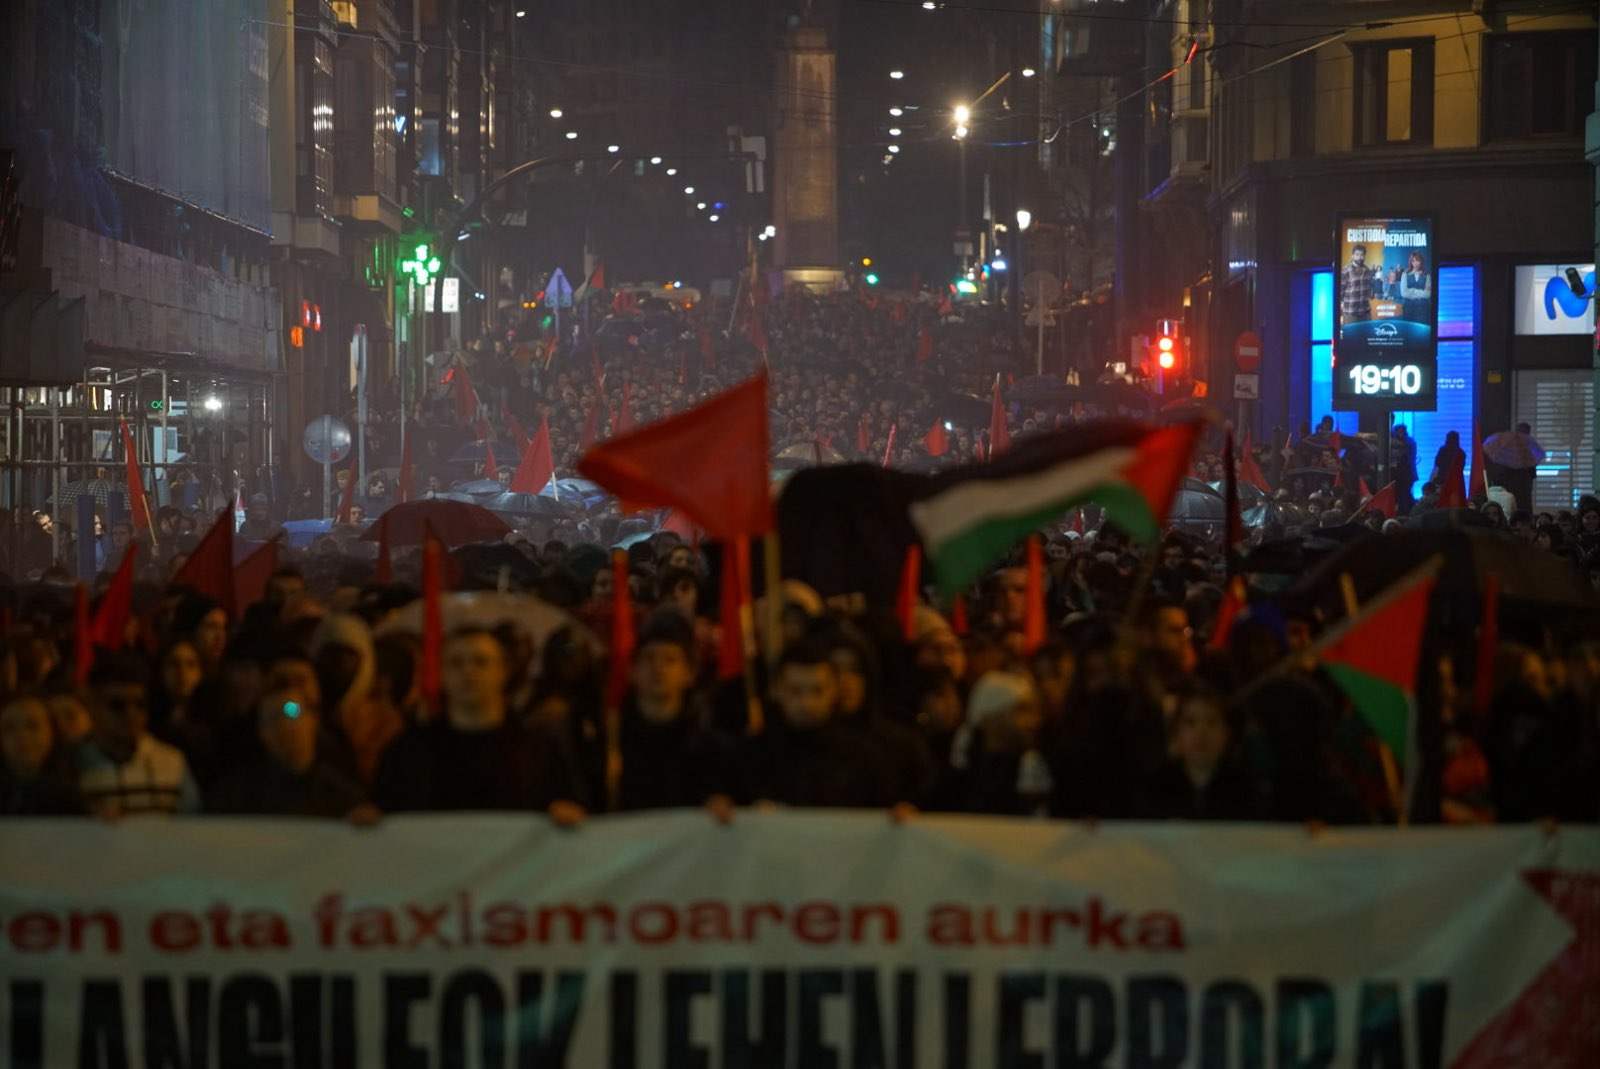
(794,939)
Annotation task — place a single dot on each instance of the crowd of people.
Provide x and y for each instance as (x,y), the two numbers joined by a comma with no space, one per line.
(313,702)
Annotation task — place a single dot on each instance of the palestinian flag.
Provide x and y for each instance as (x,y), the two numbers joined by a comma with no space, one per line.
(1373,657)
(971,516)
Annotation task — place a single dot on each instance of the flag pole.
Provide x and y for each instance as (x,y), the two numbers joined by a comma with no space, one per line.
(772,569)
(755,717)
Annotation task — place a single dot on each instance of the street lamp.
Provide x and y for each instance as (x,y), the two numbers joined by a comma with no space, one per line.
(897,75)
(963,114)
(556,113)
(1024,218)
(572,135)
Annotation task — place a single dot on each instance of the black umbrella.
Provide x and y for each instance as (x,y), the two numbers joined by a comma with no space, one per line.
(1192,507)
(1527,576)
(526,506)
(101,490)
(480,487)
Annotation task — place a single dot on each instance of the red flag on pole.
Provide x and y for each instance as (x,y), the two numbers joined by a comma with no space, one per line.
(1361,487)
(1249,468)
(1384,501)
(491,470)
(518,435)
(888,450)
(936,441)
(905,601)
(710,461)
(537,467)
(209,569)
(82,638)
(250,578)
(110,625)
(999,433)
(755,334)
(1480,472)
(348,497)
(735,587)
(1034,627)
(138,505)
(1453,494)
(429,674)
(946,307)
(599,372)
(925,345)
(1077,521)
(1234,599)
(622,636)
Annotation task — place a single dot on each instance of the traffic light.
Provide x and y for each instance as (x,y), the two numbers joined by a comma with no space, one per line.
(1166,346)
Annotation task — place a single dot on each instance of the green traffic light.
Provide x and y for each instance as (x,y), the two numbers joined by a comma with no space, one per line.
(871,279)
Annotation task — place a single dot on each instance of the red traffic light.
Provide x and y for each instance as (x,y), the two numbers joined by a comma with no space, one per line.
(1165,352)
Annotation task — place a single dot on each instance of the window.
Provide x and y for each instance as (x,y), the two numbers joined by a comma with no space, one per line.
(1394,93)
(1537,85)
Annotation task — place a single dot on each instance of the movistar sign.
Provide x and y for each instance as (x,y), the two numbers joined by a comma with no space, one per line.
(1545,304)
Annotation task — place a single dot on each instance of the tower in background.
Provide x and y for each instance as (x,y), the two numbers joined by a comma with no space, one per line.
(805,184)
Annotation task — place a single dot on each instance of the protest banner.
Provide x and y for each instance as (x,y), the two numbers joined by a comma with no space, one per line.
(794,939)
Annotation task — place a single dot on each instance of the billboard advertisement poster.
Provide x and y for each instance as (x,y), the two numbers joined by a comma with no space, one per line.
(1385,350)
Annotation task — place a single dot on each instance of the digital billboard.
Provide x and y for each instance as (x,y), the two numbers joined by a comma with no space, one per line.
(1385,308)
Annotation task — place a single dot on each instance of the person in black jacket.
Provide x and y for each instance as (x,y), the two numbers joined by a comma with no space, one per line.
(905,761)
(669,759)
(35,777)
(292,776)
(474,757)
(1203,779)
(805,757)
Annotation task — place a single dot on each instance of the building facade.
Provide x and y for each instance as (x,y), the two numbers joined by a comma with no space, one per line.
(1246,128)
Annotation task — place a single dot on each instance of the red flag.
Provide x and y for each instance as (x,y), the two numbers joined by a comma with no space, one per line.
(936,441)
(622,637)
(888,450)
(925,345)
(537,467)
(1034,628)
(250,578)
(550,350)
(428,670)
(491,470)
(625,421)
(900,311)
(407,473)
(209,569)
(348,497)
(599,372)
(82,638)
(1480,473)
(946,307)
(710,461)
(708,351)
(591,425)
(863,434)
(138,505)
(1234,599)
(1336,442)
(1338,478)
(999,433)
(1453,494)
(905,601)
(598,279)
(1077,521)
(518,435)
(1249,468)
(735,584)
(110,625)
(755,334)
(1383,501)
(958,616)
(1488,639)
(1361,487)
(464,395)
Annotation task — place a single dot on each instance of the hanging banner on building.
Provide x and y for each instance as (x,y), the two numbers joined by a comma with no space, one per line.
(1385,344)
(806,940)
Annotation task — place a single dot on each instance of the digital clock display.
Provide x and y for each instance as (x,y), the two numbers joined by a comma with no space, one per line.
(1410,385)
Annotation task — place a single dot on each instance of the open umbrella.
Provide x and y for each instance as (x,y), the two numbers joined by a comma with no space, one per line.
(1512,450)
(102,490)
(304,533)
(537,619)
(808,452)
(479,488)
(1194,508)
(454,523)
(1527,576)
(526,506)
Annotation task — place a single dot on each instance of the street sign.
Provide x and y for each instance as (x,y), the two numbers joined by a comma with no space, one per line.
(1246,386)
(450,294)
(963,243)
(327,440)
(1041,287)
(558,291)
(1247,351)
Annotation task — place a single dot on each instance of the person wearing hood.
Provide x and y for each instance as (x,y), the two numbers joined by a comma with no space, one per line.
(907,764)
(359,726)
(806,757)
(997,748)
(669,759)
